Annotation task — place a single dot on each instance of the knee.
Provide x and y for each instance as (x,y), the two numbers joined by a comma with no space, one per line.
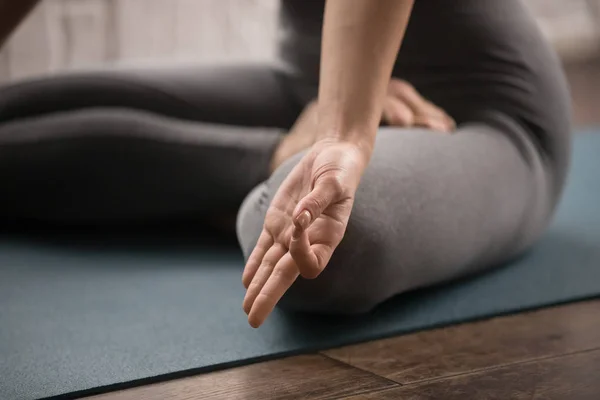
(355,281)
(315,299)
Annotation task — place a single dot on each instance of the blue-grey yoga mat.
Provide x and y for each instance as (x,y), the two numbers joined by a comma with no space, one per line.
(91,316)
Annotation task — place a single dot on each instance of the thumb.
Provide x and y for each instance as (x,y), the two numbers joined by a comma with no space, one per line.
(314,203)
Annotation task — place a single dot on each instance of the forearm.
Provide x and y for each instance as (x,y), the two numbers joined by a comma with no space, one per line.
(361,39)
(12,12)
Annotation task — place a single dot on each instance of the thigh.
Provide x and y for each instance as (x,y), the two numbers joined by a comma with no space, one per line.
(244,95)
(430,208)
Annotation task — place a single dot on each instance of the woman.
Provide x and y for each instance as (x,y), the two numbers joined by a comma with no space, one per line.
(415,207)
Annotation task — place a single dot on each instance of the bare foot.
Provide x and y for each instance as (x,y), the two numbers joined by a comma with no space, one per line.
(403,106)
(302,135)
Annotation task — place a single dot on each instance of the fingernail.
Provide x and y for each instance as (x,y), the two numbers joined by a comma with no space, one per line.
(304,219)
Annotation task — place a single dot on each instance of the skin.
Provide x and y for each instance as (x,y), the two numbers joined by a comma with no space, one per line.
(309,213)
(403,107)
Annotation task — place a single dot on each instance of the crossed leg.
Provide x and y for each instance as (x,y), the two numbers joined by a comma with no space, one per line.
(430,208)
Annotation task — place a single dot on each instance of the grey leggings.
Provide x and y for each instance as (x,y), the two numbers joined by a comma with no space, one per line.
(138,145)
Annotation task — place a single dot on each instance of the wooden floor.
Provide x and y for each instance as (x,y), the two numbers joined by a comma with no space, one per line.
(550,354)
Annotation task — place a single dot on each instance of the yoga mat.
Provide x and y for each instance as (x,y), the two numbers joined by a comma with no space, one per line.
(86,315)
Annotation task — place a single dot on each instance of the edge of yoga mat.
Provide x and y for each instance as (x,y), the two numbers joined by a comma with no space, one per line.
(296,352)
(346,325)
(275,356)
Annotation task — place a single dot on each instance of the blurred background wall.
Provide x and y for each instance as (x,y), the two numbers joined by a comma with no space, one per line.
(78,34)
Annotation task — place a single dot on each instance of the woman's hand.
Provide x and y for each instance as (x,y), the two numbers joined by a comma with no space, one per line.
(304,224)
(308,216)
(404,106)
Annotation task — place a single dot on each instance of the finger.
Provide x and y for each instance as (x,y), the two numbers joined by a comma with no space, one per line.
(301,253)
(397,113)
(431,109)
(265,241)
(436,124)
(436,112)
(310,260)
(311,206)
(451,122)
(419,105)
(407,94)
(280,280)
(265,269)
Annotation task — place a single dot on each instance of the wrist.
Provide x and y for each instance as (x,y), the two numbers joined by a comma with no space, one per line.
(362,140)
(343,124)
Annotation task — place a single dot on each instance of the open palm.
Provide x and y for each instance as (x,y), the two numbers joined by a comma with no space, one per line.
(304,224)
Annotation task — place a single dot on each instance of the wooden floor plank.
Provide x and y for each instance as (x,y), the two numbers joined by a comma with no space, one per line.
(563,378)
(310,377)
(463,348)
